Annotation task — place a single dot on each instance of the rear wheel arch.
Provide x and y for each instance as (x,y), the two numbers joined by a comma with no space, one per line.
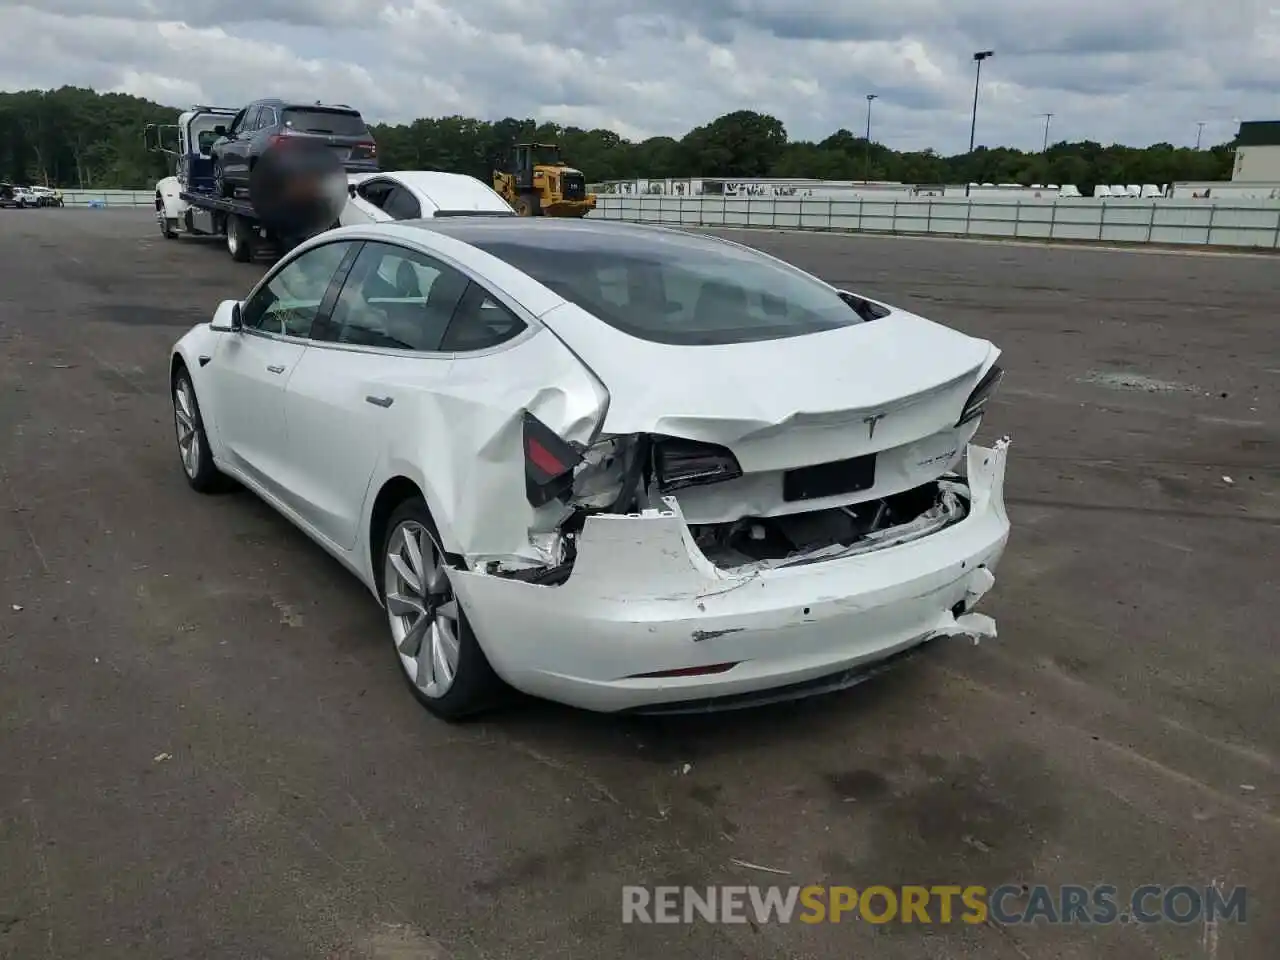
(391,495)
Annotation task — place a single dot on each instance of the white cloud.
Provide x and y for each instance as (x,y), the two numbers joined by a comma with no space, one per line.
(1134,72)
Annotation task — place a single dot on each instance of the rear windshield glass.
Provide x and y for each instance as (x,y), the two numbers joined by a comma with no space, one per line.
(679,289)
(333,123)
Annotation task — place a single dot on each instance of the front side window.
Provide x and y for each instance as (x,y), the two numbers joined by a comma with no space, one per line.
(668,287)
(395,298)
(375,192)
(287,304)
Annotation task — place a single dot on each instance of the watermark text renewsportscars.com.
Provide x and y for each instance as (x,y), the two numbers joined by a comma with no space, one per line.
(1007,905)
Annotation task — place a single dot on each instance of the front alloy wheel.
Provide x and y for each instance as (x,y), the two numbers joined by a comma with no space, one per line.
(439,654)
(193,442)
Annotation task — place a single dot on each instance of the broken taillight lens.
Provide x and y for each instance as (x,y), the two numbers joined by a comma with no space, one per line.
(976,405)
(549,462)
(687,463)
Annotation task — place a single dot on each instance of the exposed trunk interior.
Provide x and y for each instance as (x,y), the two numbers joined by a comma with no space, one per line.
(630,474)
(770,542)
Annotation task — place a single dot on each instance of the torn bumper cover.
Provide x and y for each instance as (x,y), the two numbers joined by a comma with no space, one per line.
(645,620)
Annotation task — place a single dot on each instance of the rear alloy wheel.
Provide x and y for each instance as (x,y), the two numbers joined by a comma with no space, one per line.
(438,652)
(193,442)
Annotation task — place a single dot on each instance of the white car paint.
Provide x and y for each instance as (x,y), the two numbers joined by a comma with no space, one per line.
(432,189)
(25,196)
(294,420)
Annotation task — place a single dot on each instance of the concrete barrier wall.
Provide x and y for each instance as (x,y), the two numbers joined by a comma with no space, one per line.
(1254,224)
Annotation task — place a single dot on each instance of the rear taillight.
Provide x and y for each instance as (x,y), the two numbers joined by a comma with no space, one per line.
(686,463)
(280,138)
(370,148)
(549,463)
(976,405)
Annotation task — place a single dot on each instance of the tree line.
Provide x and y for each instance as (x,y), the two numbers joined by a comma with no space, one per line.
(78,138)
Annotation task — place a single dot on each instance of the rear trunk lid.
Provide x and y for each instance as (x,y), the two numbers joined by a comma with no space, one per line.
(782,404)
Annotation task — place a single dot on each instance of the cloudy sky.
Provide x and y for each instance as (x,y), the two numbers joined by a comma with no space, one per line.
(1132,71)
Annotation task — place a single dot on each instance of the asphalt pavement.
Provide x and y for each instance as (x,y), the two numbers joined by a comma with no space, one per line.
(206,749)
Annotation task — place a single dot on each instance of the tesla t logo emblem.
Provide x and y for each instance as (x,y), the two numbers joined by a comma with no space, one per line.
(871,424)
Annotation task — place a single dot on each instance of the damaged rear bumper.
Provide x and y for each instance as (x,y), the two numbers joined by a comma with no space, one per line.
(644,600)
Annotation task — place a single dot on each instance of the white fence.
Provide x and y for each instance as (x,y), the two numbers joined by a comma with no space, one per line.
(1254,224)
(1233,223)
(109,198)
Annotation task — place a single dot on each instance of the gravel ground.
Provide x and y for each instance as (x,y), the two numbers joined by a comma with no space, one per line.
(207,750)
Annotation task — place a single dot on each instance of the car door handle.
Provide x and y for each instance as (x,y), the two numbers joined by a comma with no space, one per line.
(275,369)
(380,401)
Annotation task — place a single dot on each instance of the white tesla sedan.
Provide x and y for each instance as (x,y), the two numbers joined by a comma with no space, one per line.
(619,466)
(412,194)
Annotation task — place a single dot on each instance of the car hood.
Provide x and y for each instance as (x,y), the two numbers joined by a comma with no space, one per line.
(817,389)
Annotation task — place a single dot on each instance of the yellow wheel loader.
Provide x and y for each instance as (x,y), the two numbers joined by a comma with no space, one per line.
(537,183)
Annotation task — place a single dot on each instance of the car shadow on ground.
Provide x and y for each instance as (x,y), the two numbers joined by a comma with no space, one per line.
(658,739)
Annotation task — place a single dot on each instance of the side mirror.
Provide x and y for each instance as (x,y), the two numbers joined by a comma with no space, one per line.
(227,317)
(351,190)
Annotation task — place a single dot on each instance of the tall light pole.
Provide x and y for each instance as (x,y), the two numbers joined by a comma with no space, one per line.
(1047,118)
(866,175)
(1199,132)
(977,80)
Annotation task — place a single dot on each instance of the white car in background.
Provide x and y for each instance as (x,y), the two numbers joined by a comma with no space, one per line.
(22,197)
(47,196)
(413,194)
(615,465)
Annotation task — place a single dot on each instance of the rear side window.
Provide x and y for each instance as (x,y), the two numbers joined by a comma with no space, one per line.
(402,205)
(329,123)
(480,323)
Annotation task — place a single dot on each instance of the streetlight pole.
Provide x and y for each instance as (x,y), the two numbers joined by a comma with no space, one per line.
(866,175)
(977,80)
(1047,118)
(1199,132)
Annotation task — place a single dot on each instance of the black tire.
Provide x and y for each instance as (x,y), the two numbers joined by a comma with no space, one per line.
(239,239)
(475,687)
(166,224)
(204,477)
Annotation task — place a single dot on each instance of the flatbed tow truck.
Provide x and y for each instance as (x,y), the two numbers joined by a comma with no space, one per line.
(188,203)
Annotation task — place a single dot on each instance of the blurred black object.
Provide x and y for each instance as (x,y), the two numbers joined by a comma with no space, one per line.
(298,188)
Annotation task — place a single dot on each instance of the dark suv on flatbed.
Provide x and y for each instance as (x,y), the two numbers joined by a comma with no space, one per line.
(267,123)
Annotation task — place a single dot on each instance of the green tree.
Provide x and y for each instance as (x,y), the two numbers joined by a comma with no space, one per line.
(74,137)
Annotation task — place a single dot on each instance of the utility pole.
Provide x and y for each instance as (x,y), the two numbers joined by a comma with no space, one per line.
(1047,118)
(1199,132)
(866,175)
(977,80)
